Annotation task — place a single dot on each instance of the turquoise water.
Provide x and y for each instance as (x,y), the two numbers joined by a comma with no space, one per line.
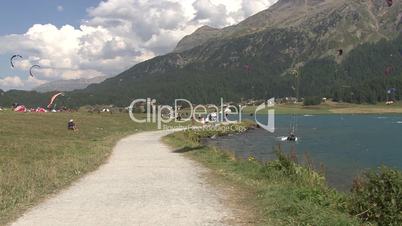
(346,145)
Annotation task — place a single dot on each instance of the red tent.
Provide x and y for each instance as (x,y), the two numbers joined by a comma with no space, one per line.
(20,108)
(41,110)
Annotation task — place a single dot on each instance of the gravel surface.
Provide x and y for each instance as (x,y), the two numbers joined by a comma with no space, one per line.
(143,183)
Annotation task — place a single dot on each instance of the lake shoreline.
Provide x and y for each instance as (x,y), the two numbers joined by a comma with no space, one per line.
(282,192)
(270,191)
(331,108)
(346,145)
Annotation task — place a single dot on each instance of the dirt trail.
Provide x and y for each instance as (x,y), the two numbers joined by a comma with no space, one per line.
(143,183)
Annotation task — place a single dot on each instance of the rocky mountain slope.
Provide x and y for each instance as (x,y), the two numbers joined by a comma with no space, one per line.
(333,23)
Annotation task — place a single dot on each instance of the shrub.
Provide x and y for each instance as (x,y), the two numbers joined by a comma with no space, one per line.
(377,196)
(208,131)
(308,101)
(286,167)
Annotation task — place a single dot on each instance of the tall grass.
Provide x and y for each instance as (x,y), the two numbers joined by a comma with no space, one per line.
(38,156)
(284,192)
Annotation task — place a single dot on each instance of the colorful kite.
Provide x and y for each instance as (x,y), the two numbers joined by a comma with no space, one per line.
(54,98)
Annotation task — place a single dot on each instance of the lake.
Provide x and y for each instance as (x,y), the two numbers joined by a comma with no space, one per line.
(345,144)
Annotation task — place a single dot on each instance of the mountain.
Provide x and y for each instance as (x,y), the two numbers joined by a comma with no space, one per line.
(199,37)
(253,59)
(301,34)
(333,23)
(69,85)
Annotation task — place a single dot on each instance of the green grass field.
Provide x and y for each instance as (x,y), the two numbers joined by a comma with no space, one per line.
(38,156)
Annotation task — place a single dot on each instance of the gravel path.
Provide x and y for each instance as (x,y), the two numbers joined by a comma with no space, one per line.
(143,183)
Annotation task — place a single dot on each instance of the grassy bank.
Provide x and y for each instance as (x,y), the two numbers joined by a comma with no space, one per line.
(38,156)
(333,108)
(283,192)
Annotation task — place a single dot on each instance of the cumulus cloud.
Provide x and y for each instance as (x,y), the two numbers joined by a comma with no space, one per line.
(251,7)
(117,35)
(210,13)
(13,82)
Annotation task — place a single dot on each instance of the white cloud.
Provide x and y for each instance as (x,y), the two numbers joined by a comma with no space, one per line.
(251,7)
(118,34)
(15,82)
(60,8)
(11,81)
(209,13)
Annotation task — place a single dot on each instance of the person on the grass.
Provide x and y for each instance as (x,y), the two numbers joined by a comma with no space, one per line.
(71,125)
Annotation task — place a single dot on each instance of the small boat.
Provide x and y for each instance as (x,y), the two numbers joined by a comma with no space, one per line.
(282,138)
(289,138)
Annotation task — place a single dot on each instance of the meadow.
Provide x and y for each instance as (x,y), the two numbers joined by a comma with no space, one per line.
(39,156)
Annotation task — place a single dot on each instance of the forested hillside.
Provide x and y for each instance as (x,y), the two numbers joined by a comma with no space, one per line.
(258,58)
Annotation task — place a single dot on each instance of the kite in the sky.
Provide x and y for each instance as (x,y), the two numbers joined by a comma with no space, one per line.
(30,70)
(12,59)
(54,98)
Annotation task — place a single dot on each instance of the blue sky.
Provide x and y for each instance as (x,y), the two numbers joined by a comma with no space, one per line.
(74,39)
(17,16)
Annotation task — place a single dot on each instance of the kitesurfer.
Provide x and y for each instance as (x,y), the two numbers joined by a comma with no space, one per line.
(291,137)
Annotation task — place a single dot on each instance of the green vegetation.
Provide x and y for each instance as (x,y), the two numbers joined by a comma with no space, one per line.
(357,77)
(283,192)
(331,108)
(310,101)
(377,196)
(38,156)
(286,193)
(360,77)
(195,136)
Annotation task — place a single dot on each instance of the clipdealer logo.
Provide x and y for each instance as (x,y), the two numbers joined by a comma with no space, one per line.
(165,114)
